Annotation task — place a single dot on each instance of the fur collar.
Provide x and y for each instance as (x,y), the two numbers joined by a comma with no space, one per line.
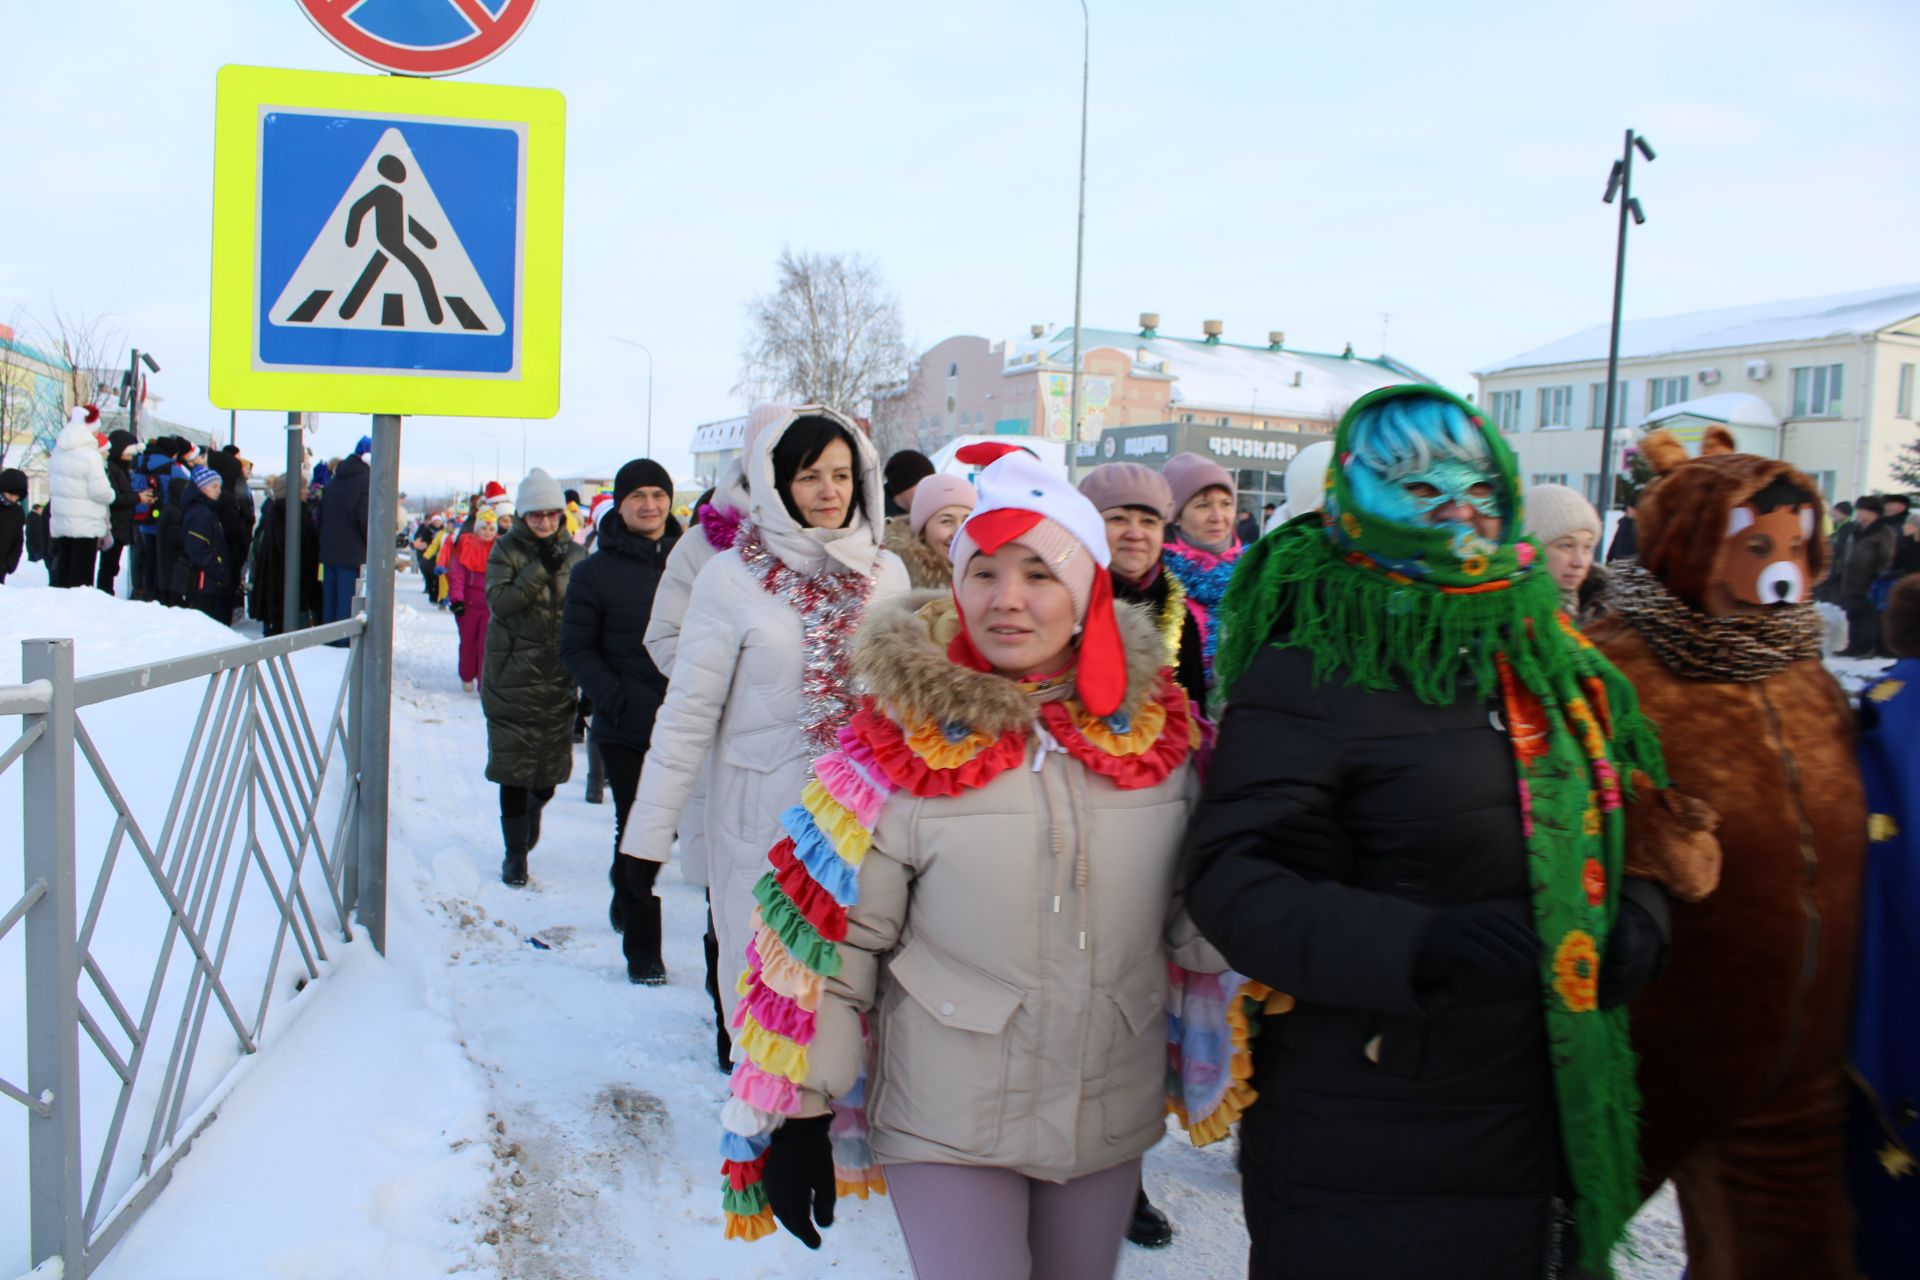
(927,569)
(900,657)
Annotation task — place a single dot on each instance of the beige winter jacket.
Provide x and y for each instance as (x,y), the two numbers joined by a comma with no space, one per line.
(1013,939)
(735,691)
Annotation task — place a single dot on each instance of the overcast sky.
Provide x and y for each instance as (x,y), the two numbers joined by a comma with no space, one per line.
(1311,168)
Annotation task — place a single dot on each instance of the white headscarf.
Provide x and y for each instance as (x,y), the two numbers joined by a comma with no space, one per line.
(802,549)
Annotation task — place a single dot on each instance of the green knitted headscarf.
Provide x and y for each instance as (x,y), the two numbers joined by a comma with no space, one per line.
(1382,605)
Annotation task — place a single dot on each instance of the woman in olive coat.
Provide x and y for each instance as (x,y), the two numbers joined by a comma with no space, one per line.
(526,693)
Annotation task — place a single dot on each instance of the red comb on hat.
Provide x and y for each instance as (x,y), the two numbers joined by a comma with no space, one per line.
(93,413)
(984,452)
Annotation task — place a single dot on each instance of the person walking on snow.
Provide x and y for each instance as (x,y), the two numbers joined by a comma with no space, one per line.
(121,448)
(204,573)
(761,674)
(467,592)
(602,631)
(13,519)
(343,531)
(920,538)
(79,499)
(982,876)
(526,693)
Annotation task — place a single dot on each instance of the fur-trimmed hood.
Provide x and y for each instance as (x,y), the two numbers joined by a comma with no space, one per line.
(927,568)
(900,657)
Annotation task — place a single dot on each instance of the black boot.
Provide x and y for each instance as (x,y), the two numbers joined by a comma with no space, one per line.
(1149,1228)
(641,942)
(722,1042)
(534,806)
(513,867)
(616,910)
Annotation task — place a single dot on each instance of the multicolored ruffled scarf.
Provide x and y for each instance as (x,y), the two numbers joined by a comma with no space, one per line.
(1384,605)
(1204,576)
(801,917)
(830,606)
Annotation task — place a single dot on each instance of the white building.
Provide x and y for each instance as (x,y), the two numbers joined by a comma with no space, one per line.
(1825,383)
(715,444)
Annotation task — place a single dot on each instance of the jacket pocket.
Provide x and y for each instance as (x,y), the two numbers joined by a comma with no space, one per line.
(944,1050)
(1134,1097)
(746,808)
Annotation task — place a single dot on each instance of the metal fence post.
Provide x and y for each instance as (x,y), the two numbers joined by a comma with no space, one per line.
(53,968)
(293,588)
(376,676)
(356,733)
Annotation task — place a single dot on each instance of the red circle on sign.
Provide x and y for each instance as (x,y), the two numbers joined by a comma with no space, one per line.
(490,35)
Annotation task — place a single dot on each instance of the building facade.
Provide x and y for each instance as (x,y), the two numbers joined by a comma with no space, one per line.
(1023,387)
(1824,383)
(1257,457)
(36,393)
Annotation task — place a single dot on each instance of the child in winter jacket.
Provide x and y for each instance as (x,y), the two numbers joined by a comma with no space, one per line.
(466,567)
(204,573)
(13,519)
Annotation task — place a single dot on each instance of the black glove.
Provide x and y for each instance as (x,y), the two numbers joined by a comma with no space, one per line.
(1485,950)
(799,1177)
(553,555)
(457,607)
(1637,947)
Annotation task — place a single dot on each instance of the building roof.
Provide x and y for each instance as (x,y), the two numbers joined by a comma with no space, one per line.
(1837,315)
(11,341)
(1229,377)
(1734,408)
(716,437)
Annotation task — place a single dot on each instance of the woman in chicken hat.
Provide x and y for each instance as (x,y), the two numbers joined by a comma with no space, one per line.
(997,833)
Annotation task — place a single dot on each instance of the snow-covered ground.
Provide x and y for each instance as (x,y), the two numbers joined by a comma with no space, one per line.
(493,1099)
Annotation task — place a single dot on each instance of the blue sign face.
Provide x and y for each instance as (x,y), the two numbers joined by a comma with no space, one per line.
(388,244)
(424,24)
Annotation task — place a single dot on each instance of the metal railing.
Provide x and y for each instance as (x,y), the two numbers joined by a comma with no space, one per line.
(236,891)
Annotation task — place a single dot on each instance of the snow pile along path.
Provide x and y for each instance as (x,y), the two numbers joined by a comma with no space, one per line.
(497,1100)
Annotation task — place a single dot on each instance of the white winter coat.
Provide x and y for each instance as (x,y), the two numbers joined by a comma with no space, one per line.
(735,690)
(78,491)
(670,599)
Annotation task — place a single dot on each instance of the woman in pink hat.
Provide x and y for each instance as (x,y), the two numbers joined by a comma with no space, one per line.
(922,537)
(1204,548)
(981,876)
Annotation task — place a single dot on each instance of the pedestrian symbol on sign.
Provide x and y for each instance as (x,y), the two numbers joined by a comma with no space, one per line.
(415,259)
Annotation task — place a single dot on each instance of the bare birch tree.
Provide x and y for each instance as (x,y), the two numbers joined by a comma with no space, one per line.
(829,333)
(89,348)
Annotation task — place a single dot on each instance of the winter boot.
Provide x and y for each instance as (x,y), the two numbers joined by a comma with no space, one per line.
(1149,1228)
(616,901)
(596,775)
(641,943)
(533,822)
(722,1042)
(513,867)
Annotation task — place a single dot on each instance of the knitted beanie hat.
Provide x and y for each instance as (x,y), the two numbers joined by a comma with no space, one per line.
(203,476)
(1128,484)
(540,492)
(1023,500)
(1306,479)
(936,494)
(905,469)
(641,473)
(1554,511)
(487,515)
(1189,473)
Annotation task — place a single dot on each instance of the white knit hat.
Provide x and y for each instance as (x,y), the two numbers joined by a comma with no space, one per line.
(1554,511)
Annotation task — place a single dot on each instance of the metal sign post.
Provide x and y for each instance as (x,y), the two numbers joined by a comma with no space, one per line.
(295,499)
(376,653)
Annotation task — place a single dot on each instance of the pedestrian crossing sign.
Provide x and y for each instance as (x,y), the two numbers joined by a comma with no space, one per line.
(385,245)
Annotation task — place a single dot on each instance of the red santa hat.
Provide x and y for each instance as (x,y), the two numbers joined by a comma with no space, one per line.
(85,414)
(1023,500)
(602,503)
(493,490)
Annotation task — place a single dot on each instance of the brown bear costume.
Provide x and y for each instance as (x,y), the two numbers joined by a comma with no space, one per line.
(1743,1039)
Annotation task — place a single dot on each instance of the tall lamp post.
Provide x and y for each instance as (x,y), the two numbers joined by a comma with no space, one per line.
(130,387)
(1080,240)
(1619,186)
(631,343)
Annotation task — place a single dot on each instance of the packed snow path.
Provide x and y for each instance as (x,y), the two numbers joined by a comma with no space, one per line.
(495,1100)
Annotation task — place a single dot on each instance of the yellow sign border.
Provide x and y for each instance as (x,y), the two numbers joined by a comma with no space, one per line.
(232,380)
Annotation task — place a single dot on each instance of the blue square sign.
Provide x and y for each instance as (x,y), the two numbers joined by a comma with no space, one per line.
(389,244)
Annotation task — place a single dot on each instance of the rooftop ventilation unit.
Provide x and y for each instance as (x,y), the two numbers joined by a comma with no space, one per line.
(1149,324)
(1213,329)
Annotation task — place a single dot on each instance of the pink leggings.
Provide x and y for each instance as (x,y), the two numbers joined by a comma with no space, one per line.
(963,1223)
(473,639)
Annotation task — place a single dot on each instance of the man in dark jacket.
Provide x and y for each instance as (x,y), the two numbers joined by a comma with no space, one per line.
(168,544)
(343,531)
(236,521)
(13,519)
(204,571)
(1869,552)
(152,471)
(39,536)
(609,603)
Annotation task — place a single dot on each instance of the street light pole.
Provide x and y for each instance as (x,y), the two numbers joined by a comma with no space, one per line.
(1080,239)
(630,342)
(1619,185)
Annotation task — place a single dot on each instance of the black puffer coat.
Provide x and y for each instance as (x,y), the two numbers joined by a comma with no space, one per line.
(609,603)
(1189,667)
(1398,1132)
(526,693)
(343,513)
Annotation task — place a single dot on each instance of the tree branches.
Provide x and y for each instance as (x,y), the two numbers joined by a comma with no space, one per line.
(829,333)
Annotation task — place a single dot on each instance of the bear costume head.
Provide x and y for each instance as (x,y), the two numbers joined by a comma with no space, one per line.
(1730,533)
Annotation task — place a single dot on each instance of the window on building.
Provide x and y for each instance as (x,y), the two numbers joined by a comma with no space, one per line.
(1186,417)
(1549,477)
(953,370)
(1825,482)
(1816,391)
(1903,399)
(1597,404)
(1553,409)
(1662,392)
(1504,406)
(1223,422)
(1590,485)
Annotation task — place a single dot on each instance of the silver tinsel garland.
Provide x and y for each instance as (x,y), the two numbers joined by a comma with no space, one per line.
(830,606)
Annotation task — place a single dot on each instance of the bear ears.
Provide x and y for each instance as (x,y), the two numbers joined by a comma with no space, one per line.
(1663,452)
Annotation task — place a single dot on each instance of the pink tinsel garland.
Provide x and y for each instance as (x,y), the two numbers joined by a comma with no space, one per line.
(720,524)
